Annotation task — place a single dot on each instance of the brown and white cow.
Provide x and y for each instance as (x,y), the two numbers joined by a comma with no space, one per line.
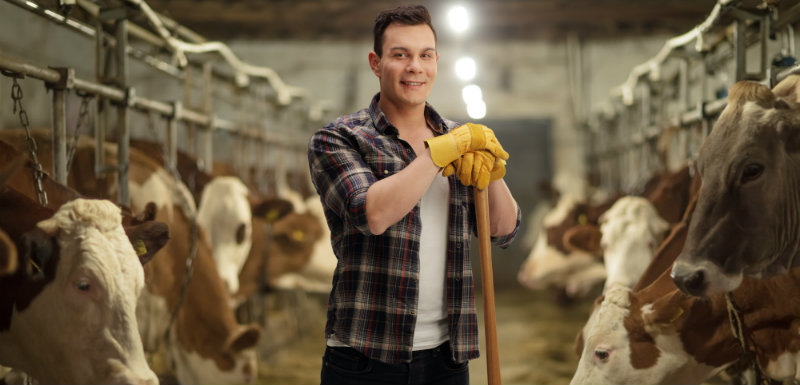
(552,263)
(655,334)
(747,221)
(67,314)
(227,211)
(286,246)
(631,231)
(206,343)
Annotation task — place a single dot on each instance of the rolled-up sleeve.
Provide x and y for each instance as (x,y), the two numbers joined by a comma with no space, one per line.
(505,240)
(340,175)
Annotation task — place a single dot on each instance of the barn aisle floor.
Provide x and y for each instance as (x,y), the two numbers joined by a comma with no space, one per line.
(535,340)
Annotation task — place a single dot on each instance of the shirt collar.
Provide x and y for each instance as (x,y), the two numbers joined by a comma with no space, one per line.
(383,125)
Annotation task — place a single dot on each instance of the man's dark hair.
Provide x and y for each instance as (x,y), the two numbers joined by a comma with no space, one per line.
(405,14)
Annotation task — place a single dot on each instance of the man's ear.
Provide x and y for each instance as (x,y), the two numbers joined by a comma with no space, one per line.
(375,63)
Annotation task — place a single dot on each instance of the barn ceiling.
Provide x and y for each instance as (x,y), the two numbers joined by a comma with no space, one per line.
(493,20)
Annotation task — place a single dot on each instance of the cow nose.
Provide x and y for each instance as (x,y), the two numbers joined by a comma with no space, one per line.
(693,283)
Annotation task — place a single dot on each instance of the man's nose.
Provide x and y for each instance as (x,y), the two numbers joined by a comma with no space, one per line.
(414,65)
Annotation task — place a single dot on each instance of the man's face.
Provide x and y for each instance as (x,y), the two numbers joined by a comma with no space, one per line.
(407,68)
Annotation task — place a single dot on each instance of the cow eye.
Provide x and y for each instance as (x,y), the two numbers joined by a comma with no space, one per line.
(83,285)
(601,355)
(241,231)
(751,172)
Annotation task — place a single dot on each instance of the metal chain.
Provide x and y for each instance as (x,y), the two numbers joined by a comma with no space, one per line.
(16,96)
(83,114)
(737,329)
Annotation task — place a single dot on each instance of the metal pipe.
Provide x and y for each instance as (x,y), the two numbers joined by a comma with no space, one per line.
(123,123)
(59,117)
(172,137)
(109,93)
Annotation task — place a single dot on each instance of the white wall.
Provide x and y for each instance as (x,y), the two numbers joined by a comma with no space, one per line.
(520,80)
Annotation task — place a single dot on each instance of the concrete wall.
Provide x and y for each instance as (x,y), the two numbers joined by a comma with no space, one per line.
(520,80)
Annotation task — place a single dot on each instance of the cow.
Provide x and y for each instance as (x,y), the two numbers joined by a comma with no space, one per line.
(746,222)
(317,275)
(67,313)
(630,233)
(568,254)
(203,341)
(656,334)
(551,264)
(288,248)
(226,211)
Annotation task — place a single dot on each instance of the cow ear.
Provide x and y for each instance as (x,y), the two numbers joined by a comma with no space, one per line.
(788,92)
(36,253)
(9,259)
(668,311)
(272,209)
(147,239)
(148,214)
(583,237)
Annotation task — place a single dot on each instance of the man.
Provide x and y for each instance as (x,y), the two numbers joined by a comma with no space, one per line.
(402,308)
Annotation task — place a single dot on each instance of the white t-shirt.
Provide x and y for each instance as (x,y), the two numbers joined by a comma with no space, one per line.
(431,329)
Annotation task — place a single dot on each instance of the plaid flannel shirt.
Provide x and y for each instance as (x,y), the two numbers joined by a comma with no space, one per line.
(372,305)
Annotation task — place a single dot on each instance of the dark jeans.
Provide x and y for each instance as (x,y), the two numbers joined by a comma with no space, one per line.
(342,365)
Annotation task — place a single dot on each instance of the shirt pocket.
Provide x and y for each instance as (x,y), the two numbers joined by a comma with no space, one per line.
(384,162)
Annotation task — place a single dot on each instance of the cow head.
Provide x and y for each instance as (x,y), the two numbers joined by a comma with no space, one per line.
(226,217)
(556,259)
(81,326)
(631,231)
(746,220)
(634,338)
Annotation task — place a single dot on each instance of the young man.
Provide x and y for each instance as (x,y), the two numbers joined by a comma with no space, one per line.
(402,308)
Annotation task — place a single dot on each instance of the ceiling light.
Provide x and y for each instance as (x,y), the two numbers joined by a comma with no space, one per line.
(476,110)
(465,68)
(458,17)
(471,93)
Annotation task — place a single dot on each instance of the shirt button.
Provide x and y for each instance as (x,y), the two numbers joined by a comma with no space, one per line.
(385,171)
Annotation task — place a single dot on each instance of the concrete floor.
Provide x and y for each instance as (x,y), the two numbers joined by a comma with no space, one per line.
(535,339)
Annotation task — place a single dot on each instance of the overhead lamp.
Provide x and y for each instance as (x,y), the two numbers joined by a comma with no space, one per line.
(465,68)
(471,93)
(458,18)
(476,109)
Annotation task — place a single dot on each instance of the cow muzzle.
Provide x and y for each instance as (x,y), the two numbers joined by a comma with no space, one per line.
(690,280)
(123,375)
(704,279)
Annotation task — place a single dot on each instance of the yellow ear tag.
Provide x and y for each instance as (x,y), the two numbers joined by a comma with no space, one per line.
(678,313)
(582,220)
(140,247)
(272,215)
(298,235)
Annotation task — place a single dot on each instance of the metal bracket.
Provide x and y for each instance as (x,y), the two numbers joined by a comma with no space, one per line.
(66,79)
(130,97)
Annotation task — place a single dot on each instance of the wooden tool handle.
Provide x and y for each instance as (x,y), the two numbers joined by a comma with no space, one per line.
(490,321)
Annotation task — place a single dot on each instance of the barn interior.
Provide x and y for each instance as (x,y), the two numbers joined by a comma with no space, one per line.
(590,98)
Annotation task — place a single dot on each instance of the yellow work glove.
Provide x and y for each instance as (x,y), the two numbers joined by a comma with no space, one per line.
(477,168)
(468,137)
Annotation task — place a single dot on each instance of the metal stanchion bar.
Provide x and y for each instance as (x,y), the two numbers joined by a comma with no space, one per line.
(114,94)
(123,121)
(60,135)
